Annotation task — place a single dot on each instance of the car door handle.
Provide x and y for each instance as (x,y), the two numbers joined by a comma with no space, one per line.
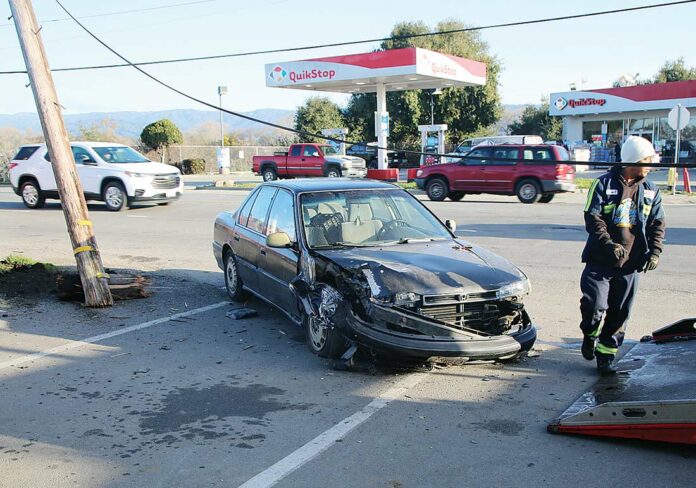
(263,252)
(236,238)
(303,159)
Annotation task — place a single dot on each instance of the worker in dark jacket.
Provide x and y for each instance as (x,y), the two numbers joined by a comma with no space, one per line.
(626,226)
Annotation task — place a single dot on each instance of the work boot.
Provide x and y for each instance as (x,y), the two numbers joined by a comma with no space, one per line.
(588,346)
(605,366)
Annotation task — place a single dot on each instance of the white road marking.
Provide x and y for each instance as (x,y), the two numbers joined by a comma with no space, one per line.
(98,338)
(325,440)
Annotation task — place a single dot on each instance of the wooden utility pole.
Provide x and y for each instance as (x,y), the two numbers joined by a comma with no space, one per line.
(94,279)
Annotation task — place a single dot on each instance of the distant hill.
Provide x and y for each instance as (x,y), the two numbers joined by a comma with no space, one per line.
(130,124)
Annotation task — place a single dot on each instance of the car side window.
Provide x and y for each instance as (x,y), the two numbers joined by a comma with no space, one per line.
(296,151)
(282,216)
(310,152)
(243,214)
(504,156)
(478,156)
(80,154)
(537,154)
(259,211)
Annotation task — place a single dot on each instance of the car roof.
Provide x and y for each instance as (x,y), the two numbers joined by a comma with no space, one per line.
(326,184)
(86,143)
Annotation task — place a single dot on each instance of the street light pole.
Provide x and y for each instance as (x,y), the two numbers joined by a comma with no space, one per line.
(222,90)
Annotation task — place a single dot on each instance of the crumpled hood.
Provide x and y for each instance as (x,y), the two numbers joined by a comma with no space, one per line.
(150,168)
(437,267)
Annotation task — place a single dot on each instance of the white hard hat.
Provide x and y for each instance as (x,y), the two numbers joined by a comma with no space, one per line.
(636,149)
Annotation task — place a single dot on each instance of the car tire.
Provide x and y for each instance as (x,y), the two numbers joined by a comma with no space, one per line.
(233,283)
(333,173)
(437,189)
(528,191)
(546,197)
(115,196)
(325,342)
(269,174)
(455,196)
(31,193)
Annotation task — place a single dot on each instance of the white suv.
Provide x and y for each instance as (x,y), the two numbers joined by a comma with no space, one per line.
(113,173)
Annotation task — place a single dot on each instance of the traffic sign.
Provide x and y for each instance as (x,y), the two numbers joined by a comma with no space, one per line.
(678,117)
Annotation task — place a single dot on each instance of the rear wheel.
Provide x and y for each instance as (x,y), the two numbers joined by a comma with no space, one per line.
(233,283)
(528,191)
(269,174)
(333,173)
(455,196)
(115,196)
(437,189)
(31,194)
(547,197)
(325,342)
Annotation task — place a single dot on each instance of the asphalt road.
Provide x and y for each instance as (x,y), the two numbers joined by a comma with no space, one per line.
(113,399)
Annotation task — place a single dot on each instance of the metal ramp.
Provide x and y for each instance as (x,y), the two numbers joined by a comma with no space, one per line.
(653,397)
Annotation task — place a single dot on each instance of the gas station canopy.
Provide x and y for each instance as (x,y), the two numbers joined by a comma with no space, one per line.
(398,69)
(410,68)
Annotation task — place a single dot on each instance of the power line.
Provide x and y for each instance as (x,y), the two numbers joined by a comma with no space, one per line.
(271,124)
(121,12)
(366,41)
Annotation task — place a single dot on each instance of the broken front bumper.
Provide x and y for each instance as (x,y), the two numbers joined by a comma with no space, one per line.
(445,341)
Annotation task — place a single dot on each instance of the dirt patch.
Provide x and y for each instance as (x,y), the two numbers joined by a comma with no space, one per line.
(29,280)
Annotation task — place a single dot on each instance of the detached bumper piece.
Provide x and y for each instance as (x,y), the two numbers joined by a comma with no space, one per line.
(395,331)
(652,398)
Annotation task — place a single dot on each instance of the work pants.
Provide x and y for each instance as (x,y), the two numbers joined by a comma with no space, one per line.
(606,293)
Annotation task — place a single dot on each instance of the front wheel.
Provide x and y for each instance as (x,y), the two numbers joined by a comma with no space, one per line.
(455,196)
(547,197)
(269,174)
(115,196)
(333,173)
(437,189)
(325,342)
(528,191)
(31,194)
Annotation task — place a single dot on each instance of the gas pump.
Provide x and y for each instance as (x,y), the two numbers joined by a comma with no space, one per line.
(338,134)
(439,141)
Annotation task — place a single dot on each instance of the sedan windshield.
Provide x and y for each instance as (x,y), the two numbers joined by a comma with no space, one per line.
(367,218)
(120,154)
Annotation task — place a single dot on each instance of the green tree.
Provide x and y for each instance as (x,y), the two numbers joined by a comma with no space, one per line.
(535,120)
(316,114)
(675,71)
(466,111)
(159,135)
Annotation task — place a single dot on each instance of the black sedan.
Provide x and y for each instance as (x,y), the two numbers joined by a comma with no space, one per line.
(365,263)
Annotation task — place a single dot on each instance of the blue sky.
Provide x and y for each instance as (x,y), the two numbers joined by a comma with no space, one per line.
(537,59)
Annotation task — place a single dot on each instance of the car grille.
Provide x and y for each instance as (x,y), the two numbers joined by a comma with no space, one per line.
(457,298)
(473,315)
(166,182)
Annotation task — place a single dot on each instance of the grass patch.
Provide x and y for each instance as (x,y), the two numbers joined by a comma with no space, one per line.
(408,186)
(249,184)
(584,183)
(16,262)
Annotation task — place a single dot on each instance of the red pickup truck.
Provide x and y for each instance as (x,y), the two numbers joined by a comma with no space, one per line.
(535,173)
(309,160)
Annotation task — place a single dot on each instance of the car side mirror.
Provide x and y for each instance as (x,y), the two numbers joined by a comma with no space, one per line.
(278,239)
(89,162)
(451,225)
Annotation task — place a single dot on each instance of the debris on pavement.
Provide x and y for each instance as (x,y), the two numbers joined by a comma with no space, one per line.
(241,313)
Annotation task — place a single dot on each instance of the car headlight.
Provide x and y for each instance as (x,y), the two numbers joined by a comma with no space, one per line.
(307,267)
(135,175)
(419,173)
(345,164)
(516,289)
(406,298)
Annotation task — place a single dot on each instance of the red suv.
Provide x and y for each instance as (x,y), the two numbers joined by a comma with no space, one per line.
(535,173)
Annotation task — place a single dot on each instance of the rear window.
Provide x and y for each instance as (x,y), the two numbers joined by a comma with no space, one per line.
(563,154)
(25,153)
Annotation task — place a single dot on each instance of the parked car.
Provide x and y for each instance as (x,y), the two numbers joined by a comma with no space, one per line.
(364,262)
(309,160)
(368,152)
(535,173)
(113,173)
(468,144)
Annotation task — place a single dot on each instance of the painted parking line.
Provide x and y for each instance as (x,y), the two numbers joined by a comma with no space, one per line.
(101,337)
(328,438)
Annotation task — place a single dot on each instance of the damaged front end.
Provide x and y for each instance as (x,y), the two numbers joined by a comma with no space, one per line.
(482,325)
